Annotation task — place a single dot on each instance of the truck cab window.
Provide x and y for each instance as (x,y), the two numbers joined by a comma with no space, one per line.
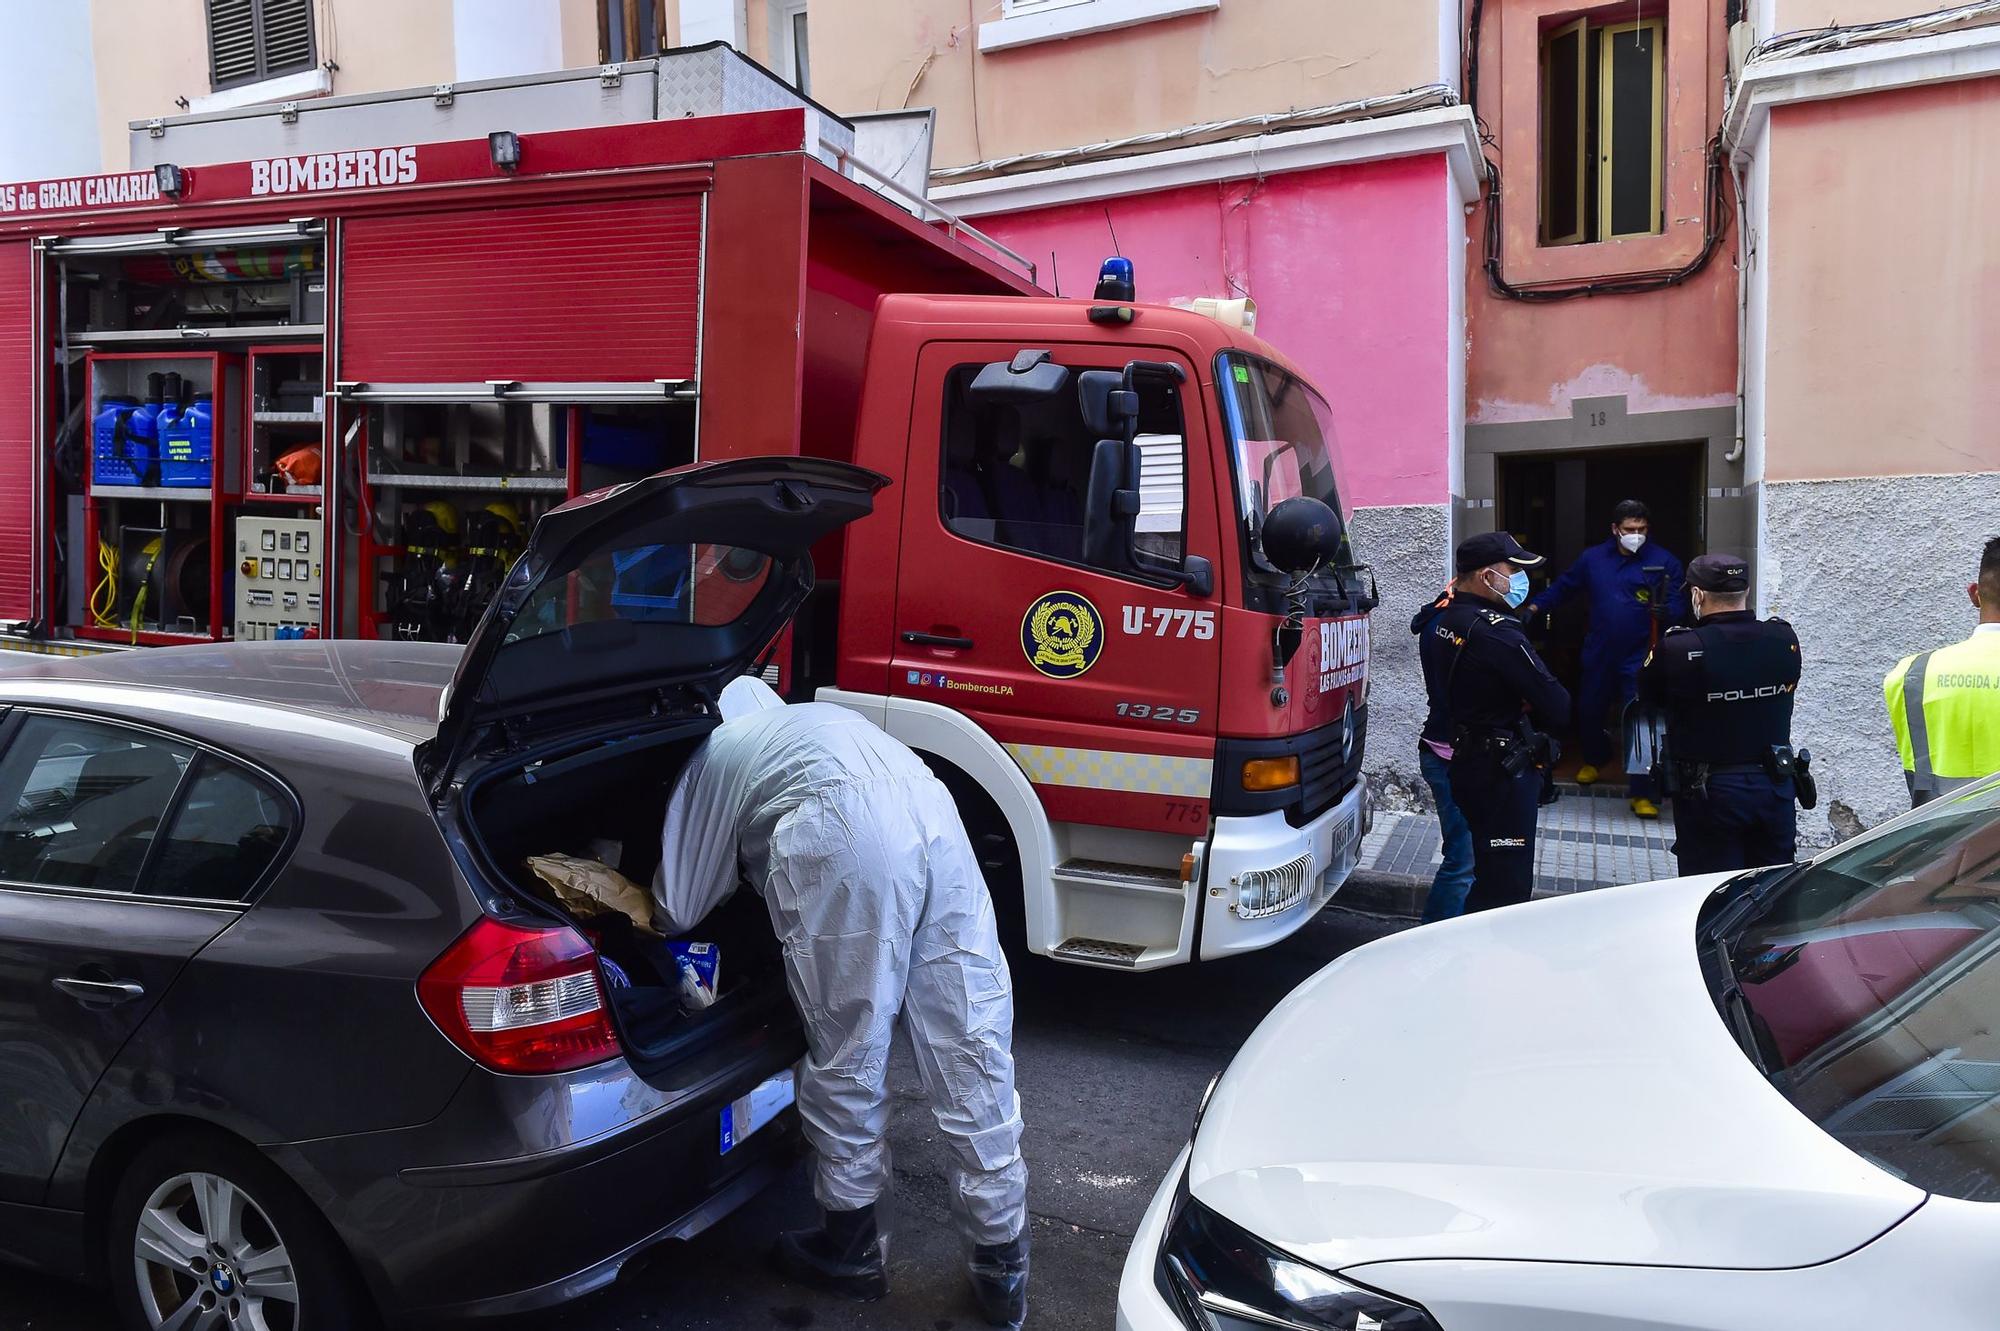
(1016,475)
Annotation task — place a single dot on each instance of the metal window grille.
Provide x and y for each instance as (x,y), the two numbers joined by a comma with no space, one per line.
(250,40)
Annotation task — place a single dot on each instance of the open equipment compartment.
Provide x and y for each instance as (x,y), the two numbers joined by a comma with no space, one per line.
(454,483)
(163,440)
(158,339)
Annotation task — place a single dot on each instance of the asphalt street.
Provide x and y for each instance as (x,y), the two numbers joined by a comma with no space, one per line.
(1109,1069)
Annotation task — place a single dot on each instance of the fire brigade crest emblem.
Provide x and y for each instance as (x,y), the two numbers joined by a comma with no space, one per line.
(1062,635)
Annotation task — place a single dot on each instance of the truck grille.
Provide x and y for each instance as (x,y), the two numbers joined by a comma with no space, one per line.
(1325,770)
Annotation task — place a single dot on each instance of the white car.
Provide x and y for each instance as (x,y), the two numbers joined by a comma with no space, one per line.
(1758,1102)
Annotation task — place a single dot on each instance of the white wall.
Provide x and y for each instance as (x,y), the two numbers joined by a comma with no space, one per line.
(48,91)
(497,38)
(712,21)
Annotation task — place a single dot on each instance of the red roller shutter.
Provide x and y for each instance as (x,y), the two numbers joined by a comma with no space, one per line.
(18,528)
(597,292)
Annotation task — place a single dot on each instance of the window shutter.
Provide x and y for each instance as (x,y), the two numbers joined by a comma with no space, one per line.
(287,35)
(18,451)
(1162,482)
(232,40)
(600,292)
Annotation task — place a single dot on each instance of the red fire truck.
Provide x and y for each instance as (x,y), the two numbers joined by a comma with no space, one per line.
(326,393)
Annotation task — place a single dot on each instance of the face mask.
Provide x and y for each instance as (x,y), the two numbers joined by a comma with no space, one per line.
(1632,540)
(1517,590)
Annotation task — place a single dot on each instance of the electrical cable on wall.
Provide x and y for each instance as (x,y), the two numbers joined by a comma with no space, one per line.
(1814,41)
(1715,212)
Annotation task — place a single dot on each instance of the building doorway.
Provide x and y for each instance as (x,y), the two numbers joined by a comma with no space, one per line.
(1559,504)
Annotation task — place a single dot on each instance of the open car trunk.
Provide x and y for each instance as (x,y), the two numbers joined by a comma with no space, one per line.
(570,799)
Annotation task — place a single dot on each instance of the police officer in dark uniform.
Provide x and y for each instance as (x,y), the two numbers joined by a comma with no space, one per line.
(1497,692)
(1726,686)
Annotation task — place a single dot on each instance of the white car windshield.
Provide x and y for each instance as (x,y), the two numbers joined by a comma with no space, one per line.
(1873,978)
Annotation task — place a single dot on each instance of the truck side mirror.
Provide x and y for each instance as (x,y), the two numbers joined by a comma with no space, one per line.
(1110,505)
(1108,402)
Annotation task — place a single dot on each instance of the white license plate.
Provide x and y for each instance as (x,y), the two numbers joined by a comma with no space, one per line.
(743,1116)
(1344,853)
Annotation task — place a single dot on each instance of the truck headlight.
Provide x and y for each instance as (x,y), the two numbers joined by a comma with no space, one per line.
(1261,892)
(1219,1277)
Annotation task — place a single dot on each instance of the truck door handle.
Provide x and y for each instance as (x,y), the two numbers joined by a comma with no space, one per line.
(938,640)
(100,993)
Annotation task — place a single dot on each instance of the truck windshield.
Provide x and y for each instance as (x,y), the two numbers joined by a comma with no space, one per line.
(1873,980)
(1281,445)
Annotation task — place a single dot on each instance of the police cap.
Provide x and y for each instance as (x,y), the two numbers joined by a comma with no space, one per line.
(1493,547)
(1727,574)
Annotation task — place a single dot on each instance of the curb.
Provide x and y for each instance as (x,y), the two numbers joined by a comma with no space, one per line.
(1397,895)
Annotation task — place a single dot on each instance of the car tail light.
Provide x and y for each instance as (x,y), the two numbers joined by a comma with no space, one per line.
(520,1000)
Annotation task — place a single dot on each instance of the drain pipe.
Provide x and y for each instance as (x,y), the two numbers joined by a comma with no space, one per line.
(1747,245)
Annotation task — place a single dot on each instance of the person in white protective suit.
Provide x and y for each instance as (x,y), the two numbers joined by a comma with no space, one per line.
(877,898)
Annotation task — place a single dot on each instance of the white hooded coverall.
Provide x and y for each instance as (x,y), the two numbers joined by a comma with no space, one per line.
(877,898)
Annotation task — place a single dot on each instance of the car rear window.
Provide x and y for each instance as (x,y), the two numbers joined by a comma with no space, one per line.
(84,801)
(87,800)
(230,826)
(1874,978)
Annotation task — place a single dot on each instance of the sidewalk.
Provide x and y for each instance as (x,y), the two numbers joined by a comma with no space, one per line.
(1587,839)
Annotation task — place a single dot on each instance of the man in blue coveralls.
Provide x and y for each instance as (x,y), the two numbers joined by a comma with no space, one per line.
(1631,584)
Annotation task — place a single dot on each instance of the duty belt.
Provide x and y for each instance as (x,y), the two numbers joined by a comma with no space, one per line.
(1484,740)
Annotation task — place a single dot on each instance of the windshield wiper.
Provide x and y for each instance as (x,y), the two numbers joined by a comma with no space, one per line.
(1743,900)
(1719,970)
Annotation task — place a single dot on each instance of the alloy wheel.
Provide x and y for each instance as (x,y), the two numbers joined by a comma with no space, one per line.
(208,1258)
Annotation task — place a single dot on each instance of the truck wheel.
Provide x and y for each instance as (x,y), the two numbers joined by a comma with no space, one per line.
(205,1233)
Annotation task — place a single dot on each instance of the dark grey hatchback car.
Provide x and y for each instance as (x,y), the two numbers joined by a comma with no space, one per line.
(287,1038)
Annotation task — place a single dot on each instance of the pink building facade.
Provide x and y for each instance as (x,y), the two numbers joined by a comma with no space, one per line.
(1871,307)
(1541,256)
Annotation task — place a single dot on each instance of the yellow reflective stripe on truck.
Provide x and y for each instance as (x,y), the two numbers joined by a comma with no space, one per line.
(1105,769)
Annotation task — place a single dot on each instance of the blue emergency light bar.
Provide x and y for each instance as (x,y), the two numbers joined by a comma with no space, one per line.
(1114,280)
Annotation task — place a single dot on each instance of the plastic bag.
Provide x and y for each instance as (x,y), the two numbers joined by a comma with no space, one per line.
(700,966)
(300,466)
(587,889)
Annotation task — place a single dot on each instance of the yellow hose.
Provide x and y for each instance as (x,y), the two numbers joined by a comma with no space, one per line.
(107,586)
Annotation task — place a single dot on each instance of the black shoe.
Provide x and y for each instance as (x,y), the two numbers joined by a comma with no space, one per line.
(1000,1281)
(846,1255)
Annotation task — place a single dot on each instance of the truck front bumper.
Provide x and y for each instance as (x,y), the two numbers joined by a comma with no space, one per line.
(1309,863)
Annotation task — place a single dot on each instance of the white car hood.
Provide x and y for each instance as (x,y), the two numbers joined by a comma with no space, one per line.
(1548,1082)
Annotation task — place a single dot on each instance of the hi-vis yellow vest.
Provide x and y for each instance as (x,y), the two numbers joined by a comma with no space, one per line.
(1945,706)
